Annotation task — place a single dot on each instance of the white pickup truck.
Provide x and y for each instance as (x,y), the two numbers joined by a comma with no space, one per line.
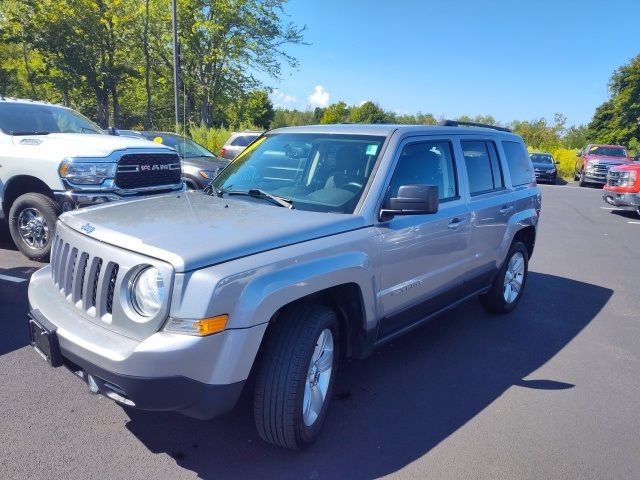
(52,159)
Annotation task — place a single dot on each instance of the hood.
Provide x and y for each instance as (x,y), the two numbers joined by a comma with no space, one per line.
(627,167)
(191,230)
(606,159)
(63,145)
(205,163)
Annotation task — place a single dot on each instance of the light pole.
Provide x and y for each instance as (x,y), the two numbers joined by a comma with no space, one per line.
(176,63)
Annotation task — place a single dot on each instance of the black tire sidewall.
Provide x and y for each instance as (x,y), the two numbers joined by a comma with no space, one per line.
(47,208)
(305,435)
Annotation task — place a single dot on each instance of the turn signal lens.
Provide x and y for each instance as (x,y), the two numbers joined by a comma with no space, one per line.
(63,169)
(200,328)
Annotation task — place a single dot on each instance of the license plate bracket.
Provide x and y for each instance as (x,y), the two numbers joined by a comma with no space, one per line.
(45,342)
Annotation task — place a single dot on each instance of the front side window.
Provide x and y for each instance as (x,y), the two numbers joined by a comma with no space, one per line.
(316,171)
(25,118)
(483,167)
(519,163)
(426,163)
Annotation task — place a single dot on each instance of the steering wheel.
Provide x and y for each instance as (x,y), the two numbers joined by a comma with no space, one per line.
(354,187)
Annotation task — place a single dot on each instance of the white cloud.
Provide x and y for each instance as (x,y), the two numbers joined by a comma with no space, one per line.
(319,97)
(281,99)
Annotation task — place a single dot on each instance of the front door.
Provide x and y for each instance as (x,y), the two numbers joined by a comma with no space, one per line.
(424,256)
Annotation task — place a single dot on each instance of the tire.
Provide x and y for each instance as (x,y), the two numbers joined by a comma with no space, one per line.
(576,175)
(285,374)
(32,220)
(495,300)
(582,182)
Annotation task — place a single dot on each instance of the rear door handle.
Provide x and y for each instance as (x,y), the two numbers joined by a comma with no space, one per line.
(506,209)
(455,223)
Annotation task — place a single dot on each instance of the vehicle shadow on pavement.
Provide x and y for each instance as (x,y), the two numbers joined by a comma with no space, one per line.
(14,303)
(395,406)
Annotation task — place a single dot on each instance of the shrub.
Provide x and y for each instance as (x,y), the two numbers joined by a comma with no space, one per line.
(566,157)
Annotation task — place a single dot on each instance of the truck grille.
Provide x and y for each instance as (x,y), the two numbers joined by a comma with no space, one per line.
(140,170)
(614,178)
(87,282)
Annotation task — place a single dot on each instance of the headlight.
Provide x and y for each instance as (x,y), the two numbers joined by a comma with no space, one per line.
(552,170)
(626,178)
(147,292)
(209,174)
(87,173)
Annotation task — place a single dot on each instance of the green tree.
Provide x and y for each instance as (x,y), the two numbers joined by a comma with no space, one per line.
(335,113)
(617,120)
(368,112)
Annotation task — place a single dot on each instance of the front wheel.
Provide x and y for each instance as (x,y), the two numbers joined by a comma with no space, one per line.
(508,286)
(32,219)
(294,382)
(582,181)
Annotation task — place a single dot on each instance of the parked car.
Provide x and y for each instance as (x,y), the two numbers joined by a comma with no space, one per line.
(544,167)
(53,159)
(622,189)
(321,242)
(596,160)
(237,142)
(199,165)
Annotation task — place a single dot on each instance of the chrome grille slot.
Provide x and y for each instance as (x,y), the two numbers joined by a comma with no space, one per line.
(90,275)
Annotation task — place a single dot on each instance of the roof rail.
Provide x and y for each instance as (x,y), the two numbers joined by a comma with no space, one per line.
(457,123)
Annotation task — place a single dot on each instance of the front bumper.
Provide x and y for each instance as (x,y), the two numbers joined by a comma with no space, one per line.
(198,376)
(77,197)
(599,178)
(625,201)
(546,177)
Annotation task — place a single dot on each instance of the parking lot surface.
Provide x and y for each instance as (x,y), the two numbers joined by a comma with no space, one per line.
(550,391)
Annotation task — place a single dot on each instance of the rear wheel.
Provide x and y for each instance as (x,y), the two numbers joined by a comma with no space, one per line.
(294,382)
(508,286)
(32,220)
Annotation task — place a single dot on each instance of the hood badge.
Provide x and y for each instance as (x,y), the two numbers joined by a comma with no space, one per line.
(87,228)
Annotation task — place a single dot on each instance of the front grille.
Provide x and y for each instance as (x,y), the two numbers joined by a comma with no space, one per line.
(88,282)
(614,178)
(141,170)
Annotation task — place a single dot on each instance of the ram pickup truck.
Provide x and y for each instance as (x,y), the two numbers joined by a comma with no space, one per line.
(596,160)
(52,159)
(622,189)
(315,243)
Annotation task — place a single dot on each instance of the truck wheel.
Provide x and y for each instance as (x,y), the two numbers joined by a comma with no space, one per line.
(582,182)
(32,220)
(295,379)
(508,286)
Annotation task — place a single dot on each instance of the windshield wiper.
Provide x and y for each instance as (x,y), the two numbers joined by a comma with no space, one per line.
(29,133)
(257,193)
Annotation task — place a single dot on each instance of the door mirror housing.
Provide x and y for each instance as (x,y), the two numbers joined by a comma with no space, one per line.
(411,200)
(579,153)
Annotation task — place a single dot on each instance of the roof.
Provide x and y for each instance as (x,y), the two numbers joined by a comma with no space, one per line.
(388,129)
(28,101)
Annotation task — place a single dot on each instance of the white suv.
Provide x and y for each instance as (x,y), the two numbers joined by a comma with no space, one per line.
(52,159)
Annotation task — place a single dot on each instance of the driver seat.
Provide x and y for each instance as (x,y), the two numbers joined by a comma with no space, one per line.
(349,165)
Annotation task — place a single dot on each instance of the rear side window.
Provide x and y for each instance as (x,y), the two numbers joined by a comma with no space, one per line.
(519,163)
(483,168)
(242,140)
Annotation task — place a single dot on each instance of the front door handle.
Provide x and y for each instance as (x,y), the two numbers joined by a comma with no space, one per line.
(455,223)
(506,209)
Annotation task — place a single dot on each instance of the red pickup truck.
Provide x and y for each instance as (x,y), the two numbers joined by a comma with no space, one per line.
(596,160)
(623,187)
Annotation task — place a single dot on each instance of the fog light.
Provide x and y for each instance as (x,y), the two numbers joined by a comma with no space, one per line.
(93,386)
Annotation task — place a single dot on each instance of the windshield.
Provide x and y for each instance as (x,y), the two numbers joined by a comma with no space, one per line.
(537,158)
(608,151)
(24,118)
(186,148)
(319,172)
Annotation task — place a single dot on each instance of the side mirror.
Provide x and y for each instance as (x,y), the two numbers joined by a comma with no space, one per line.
(556,162)
(579,153)
(411,200)
(112,131)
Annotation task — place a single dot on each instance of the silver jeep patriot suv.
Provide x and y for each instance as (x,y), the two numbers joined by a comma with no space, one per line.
(315,243)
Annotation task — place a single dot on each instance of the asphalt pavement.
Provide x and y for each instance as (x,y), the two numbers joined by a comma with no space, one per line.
(549,391)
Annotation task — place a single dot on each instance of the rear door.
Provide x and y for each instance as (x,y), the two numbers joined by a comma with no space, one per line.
(490,205)
(424,256)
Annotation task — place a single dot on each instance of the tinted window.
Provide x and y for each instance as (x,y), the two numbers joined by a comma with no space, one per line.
(483,167)
(426,163)
(243,140)
(519,164)
(538,158)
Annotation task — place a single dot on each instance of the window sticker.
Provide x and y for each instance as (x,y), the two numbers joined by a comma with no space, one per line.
(372,149)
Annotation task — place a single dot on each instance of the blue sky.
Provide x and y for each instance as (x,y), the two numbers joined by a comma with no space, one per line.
(510,59)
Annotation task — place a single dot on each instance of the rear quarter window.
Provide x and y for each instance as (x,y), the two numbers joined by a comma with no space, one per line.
(518,162)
